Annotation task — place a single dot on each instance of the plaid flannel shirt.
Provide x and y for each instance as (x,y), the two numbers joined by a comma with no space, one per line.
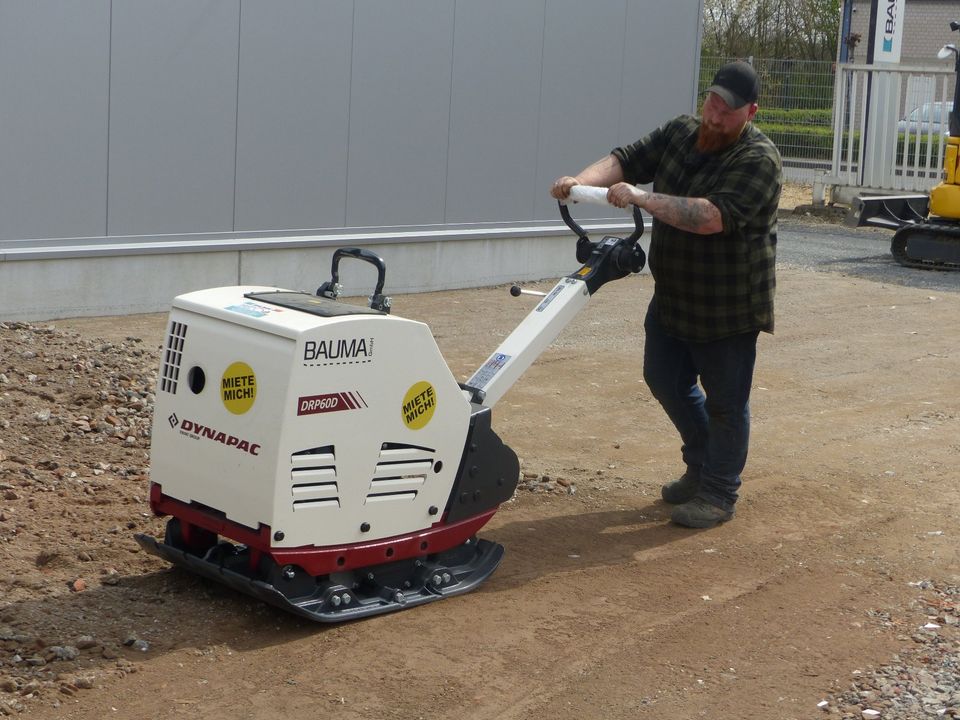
(710,287)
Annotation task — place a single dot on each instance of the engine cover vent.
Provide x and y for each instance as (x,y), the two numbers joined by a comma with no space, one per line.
(401,472)
(313,478)
(173,354)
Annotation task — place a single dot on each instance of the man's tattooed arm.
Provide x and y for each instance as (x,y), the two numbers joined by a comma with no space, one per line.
(696,215)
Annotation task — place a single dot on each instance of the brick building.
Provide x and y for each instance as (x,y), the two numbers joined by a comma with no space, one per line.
(926,30)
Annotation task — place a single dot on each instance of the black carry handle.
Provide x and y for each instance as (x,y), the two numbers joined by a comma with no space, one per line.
(332,288)
(582,234)
(629,256)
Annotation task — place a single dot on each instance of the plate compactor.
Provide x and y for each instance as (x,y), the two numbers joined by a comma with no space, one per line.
(321,456)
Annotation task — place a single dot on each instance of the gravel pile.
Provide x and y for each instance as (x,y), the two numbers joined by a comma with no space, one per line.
(75,421)
(922,681)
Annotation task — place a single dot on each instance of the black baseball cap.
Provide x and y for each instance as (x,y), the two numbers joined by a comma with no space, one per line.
(737,83)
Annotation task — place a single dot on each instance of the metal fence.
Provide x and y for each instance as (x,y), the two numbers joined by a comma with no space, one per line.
(796,111)
(901,147)
(819,121)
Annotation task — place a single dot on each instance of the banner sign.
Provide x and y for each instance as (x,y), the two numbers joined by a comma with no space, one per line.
(888,31)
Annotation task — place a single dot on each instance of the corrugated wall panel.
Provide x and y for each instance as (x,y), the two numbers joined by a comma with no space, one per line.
(173,108)
(494,119)
(210,116)
(581,92)
(400,112)
(649,97)
(293,114)
(54,70)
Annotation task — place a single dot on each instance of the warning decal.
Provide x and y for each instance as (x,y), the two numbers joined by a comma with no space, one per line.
(486,373)
(238,388)
(560,287)
(418,405)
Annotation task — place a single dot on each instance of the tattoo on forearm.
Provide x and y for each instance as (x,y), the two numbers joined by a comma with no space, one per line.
(693,214)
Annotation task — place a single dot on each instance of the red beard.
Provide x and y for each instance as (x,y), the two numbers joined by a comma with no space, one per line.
(711,140)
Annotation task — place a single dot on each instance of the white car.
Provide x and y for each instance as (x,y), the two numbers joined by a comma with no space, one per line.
(931,117)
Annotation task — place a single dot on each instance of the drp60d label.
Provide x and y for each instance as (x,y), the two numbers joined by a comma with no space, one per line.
(330,402)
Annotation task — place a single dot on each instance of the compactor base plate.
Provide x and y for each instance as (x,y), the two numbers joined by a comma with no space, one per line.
(339,596)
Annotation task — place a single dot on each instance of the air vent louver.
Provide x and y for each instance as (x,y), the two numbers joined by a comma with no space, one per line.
(173,354)
(313,478)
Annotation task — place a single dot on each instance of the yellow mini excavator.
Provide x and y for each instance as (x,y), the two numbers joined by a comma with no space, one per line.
(927,229)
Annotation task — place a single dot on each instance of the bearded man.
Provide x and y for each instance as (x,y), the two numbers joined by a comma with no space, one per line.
(716,186)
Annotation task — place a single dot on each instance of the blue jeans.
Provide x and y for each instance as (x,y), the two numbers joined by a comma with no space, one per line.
(714,423)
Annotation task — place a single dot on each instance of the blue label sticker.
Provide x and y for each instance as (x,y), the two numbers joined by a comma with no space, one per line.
(250,309)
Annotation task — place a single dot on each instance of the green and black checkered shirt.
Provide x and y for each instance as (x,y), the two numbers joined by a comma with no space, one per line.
(710,287)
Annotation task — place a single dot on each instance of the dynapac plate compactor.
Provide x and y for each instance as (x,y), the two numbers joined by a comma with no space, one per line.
(322,457)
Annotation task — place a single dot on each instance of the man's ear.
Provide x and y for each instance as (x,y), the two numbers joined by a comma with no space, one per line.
(753,111)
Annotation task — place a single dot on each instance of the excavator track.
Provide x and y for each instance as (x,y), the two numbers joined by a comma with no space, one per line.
(928,245)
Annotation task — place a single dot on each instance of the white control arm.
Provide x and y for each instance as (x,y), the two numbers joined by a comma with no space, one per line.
(540,328)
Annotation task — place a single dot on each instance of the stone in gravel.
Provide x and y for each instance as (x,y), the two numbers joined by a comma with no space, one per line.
(31,688)
(84,683)
(64,652)
(8,684)
(86,642)
(78,585)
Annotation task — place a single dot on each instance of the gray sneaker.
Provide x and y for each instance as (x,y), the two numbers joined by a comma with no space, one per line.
(698,513)
(682,490)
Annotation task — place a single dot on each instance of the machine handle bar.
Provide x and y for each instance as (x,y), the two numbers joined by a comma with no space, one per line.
(332,288)
(596,196)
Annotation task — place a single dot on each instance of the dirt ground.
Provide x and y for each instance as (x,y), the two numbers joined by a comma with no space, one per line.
(601,607)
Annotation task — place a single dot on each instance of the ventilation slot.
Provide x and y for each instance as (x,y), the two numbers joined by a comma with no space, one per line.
(391,497)
(400,474)
(313,476)
(172,356)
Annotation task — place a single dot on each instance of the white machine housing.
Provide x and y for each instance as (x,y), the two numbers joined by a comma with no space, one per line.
(332,428)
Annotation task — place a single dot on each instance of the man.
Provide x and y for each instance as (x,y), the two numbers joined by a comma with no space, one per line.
(716,185)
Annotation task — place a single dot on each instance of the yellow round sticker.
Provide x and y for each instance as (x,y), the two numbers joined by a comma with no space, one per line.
(238,388)
(418,405)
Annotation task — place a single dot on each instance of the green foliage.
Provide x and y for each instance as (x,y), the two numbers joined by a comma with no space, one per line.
(815,142)
(797,29)
(800,116)
(808,142)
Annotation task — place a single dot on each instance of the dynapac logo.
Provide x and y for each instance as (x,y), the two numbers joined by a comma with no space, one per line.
(193,429)
(337,352)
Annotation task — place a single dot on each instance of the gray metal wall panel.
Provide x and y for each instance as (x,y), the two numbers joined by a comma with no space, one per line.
(581,92)
(173,100)
(54,66)
(498,45)
(351,113)
(400,112)
(651,98)
(294,109)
